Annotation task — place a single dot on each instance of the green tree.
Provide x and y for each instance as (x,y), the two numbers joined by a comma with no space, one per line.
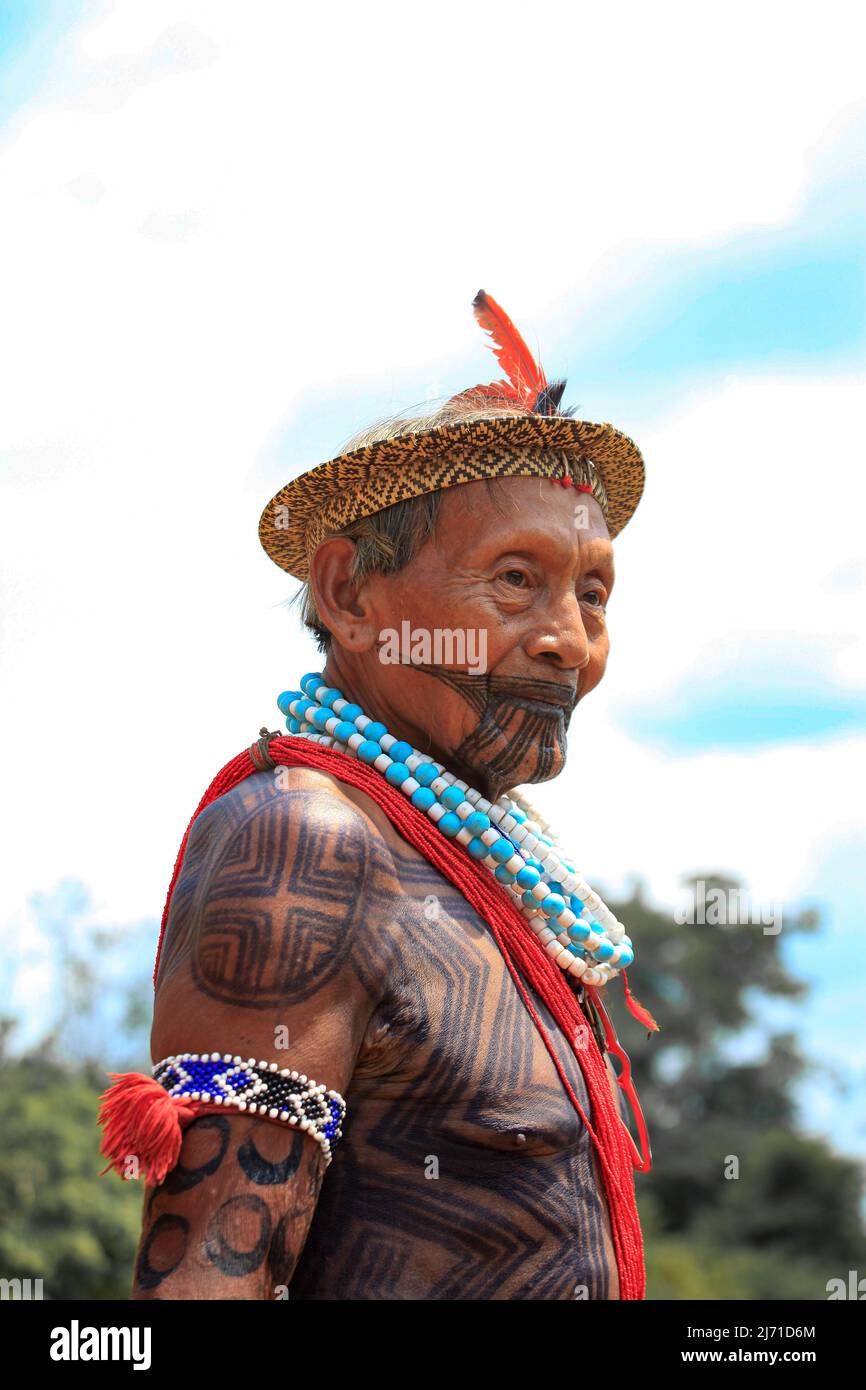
(738,1204)
(59,1221)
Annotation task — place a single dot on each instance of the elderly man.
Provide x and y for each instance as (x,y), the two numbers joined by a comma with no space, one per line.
(380,1050)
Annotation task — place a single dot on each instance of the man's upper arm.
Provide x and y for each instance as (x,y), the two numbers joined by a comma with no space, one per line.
(284,944)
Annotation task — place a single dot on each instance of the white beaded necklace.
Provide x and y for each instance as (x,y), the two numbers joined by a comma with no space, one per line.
(510,838)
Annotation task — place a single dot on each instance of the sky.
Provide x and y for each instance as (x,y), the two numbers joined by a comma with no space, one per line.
(232,236)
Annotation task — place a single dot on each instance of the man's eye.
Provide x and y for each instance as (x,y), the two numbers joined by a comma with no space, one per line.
(594,594)
(514,577)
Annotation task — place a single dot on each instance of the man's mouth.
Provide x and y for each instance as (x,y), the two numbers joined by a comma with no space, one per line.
(545,707)
(544,697)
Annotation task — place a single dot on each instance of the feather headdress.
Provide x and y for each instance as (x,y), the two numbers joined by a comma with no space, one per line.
(526,382)
(537,439)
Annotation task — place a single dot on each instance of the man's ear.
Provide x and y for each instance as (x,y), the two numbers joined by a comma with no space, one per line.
(342,604)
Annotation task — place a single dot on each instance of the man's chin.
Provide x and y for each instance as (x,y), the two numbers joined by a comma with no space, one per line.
(505,757)
(548,765)
(540,763)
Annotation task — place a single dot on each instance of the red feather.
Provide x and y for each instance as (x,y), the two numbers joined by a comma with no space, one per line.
(525,376)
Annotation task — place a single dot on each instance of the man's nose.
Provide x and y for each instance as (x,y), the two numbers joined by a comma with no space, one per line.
(559,636)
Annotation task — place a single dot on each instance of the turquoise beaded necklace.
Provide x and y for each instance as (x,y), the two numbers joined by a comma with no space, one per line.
(577,930)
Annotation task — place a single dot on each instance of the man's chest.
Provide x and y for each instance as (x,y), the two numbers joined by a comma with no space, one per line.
(456,1032)
(464,1150)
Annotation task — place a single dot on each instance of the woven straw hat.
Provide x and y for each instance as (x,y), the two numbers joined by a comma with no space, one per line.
(527,436)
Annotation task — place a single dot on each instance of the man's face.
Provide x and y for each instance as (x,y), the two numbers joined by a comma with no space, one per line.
(524,571)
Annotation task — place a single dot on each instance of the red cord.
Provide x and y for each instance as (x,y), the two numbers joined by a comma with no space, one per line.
(521,951)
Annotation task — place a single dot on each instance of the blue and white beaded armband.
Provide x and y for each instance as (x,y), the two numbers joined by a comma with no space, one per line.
(262,1088)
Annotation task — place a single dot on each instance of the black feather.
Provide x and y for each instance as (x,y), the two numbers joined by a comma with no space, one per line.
(547,401)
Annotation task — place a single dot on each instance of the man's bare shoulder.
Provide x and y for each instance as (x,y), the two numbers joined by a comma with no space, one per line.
(279,946)
(286,881)
(286,796)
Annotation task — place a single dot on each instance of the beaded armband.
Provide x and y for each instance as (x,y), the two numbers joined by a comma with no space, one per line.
(256,1088)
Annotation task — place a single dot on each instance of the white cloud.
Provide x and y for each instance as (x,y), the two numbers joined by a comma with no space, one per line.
(754,500)
(751,505)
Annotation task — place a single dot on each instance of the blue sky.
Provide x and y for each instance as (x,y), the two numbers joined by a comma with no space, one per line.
(31,33)
(760,693)
(673,318)
(221,317)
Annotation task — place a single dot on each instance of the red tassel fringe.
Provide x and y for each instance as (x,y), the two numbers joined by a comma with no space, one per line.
(141,1121)
(637,1009)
